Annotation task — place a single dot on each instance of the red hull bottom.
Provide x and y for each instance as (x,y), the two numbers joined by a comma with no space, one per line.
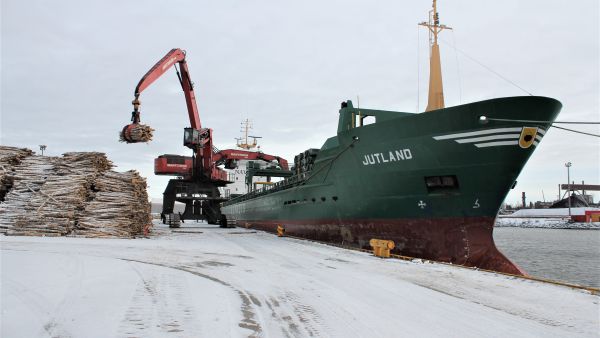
(457,240)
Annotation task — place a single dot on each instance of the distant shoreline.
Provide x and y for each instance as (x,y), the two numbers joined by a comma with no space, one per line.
(544,223)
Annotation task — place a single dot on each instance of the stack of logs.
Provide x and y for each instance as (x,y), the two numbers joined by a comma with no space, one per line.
(58,196)
(120,206)
(57,205)
(9,157)
(25,179)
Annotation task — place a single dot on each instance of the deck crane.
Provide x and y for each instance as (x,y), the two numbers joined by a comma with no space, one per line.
(199,176)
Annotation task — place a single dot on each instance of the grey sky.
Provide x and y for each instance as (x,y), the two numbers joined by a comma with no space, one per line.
(69,69)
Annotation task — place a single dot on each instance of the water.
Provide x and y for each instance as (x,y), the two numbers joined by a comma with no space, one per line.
(560,254)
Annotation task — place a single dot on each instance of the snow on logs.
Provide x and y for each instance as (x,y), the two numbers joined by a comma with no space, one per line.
(136,132)
(75,195)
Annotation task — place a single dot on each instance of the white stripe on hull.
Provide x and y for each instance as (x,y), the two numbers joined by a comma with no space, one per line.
(489,138)
(496,144)
(509,135)
(479,132)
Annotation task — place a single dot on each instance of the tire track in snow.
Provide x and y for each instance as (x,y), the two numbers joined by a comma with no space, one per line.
(160,300)
(35,302)
(292,329)
(307,317)
(249,314)
(248,321)
(73,290)
(39,303)
(297,318)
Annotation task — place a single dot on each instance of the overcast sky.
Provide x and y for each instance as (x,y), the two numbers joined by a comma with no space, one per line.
(69,69)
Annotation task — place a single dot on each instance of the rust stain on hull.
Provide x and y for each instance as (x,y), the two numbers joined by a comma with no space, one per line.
(462,241)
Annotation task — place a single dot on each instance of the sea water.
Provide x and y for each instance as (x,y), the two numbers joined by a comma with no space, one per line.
(560,254)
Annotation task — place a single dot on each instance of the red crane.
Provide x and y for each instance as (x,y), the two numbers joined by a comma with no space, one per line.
(199,176)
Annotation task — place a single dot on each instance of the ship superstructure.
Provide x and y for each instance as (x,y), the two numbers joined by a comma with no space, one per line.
(241,182)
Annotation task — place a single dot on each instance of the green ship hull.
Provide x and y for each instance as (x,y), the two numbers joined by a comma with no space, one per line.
(432,182)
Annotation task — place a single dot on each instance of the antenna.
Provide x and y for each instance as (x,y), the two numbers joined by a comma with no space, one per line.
(254,140)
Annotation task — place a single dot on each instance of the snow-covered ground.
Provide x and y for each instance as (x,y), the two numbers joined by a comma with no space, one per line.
(204,281)
(550,223)
(552,212)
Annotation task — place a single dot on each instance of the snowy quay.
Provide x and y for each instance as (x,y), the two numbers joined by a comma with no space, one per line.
(204,281)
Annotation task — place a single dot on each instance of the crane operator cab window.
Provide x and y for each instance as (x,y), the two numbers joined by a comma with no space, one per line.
(191,137)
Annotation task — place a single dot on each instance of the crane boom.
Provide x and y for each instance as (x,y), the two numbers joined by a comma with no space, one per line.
(174,56)
(235,154)
(198,177)
(199,139)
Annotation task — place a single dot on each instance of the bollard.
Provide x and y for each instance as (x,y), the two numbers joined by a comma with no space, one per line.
(381,247)
(280,231)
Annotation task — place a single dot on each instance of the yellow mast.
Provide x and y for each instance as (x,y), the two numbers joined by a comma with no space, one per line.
(436,87)
(246,126)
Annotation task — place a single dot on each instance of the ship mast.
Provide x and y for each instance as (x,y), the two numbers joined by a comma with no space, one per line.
(246,126)
(436,87)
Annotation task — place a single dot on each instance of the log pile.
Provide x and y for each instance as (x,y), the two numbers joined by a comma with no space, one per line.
(75,195)
(9,157)
(120,207)
(54,209)
(138,133)
(26,178)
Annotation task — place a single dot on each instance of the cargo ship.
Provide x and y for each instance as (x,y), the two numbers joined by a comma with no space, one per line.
(432,182)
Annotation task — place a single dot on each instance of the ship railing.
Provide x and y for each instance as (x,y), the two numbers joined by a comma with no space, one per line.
(278,186)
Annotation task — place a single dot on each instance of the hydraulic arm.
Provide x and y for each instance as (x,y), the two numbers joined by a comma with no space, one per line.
(196,138)
(198,177)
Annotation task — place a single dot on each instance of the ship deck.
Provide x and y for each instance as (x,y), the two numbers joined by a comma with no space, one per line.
(201,280)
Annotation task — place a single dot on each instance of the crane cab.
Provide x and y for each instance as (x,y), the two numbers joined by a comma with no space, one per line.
(192,138)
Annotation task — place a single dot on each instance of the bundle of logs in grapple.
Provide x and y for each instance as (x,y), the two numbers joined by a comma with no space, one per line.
(136,133)
(58,196)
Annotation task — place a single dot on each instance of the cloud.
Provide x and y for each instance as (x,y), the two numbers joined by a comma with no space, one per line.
(69,69)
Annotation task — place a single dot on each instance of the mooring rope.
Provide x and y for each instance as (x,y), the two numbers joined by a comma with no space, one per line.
(577,131)
(552,124)
(457,68)
(486,67)
(536,121)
